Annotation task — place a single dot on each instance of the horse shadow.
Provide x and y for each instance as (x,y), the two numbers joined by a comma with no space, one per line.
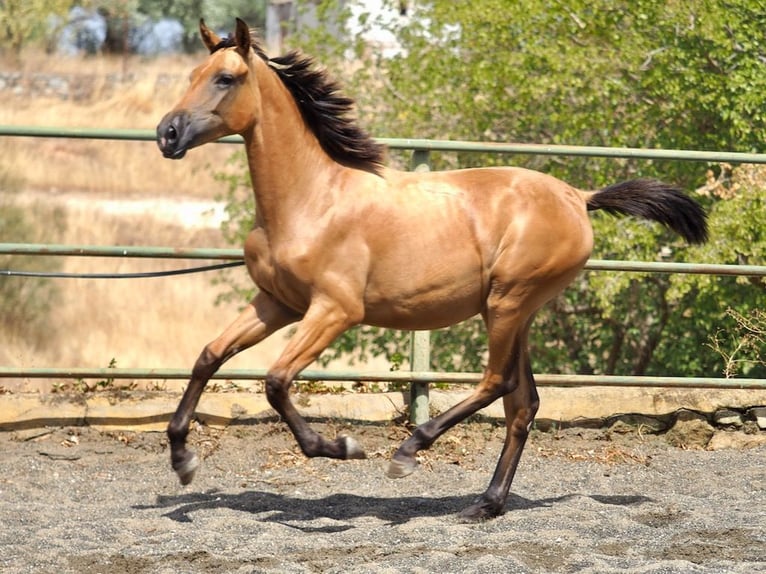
(343,508)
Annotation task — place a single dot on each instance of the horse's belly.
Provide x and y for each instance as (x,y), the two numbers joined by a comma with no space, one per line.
(416,300)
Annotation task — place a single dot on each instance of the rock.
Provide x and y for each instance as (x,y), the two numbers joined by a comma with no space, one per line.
(694,433)
(630,423)
(32,435)
(750,427)
(736,440)
(728,418)
(758,414)
(687,415)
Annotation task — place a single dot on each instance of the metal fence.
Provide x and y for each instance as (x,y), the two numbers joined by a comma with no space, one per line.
(418,376)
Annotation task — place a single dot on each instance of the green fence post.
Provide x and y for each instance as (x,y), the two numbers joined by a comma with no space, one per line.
(420,353)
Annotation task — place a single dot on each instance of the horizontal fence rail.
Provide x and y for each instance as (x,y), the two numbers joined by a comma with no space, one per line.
(121,251)
(421,144)
(238,255)
(551,380)
(420,376)
(417,377)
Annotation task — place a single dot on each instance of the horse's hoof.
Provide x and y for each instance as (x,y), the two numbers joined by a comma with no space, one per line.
(401,468)
(187,469)
(353,448)
(480,511)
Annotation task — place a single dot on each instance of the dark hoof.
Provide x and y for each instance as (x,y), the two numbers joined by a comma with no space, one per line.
(480,511)
(400,468)
(186,468)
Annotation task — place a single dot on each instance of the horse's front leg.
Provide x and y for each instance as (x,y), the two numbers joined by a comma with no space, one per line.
(322,323)
(257,321)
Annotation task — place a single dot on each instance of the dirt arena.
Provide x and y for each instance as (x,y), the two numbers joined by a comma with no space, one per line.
(75,500)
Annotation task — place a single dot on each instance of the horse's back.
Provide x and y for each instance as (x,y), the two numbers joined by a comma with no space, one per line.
(504,206)
(440,241)
(514,188)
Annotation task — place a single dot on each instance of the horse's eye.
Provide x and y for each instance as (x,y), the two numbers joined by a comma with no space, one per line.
(224,80)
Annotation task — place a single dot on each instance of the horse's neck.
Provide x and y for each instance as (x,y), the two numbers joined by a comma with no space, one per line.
(288,167)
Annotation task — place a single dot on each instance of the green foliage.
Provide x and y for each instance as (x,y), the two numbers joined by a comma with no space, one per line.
(607,73)
(744,347)
(705,75)
(636,74)
(26,21)
(739,209)
(240,210)
(729,307)
(218,14)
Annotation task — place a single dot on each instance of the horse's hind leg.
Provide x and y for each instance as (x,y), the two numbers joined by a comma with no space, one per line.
(507,325)
(520,409)
(257,321)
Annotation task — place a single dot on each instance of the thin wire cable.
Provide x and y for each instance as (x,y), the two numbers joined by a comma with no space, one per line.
(144,275)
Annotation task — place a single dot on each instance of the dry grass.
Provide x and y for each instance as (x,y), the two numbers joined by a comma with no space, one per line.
(151,322)
(105,166)
(159,322)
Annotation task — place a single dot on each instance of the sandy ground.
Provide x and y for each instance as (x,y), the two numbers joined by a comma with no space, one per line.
(75,500)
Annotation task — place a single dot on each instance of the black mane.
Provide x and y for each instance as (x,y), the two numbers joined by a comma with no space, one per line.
(326,111)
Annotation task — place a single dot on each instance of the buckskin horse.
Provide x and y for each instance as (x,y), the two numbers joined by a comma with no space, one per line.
(340,240)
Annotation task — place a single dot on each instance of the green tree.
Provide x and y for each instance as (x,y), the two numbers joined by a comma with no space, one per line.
(218,14)
(121,15)
(734,306)
(637,74)
(25,21)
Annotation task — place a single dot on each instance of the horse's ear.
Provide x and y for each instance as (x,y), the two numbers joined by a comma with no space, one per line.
(243,39)
(209,38)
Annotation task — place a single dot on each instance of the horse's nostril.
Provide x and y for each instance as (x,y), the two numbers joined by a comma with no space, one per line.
(171,135)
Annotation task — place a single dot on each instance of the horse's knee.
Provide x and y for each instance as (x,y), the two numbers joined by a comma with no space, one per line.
(276,390)
(531,410)
(206,365)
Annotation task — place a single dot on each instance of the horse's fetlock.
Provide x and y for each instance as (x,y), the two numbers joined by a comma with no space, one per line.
(177,432)
(423,437)
(311,448)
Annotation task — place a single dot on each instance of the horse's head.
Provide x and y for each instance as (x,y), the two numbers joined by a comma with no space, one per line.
(221,99)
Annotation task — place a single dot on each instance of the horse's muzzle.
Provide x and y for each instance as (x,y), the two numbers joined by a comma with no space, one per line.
(172,135)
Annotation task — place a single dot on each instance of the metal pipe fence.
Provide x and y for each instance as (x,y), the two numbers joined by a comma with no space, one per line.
(421,145)
(419,377)
(402,376)
(235,254)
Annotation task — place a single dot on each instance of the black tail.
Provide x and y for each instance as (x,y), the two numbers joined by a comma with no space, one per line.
(657,201)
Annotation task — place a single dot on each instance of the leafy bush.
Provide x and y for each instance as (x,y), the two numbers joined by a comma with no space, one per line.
(603,73)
